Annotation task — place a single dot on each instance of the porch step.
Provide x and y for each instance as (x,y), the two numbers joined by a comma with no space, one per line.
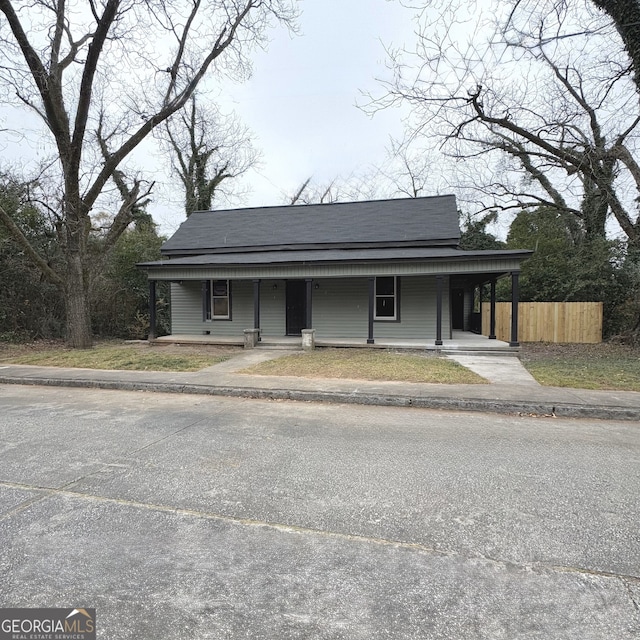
(288,346)
(510,352)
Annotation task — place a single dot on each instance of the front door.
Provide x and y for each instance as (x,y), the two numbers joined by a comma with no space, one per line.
(296,300)
(457,309)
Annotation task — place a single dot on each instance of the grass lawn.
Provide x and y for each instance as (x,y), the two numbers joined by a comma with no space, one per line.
(583,366)
(368,364)
(116,355)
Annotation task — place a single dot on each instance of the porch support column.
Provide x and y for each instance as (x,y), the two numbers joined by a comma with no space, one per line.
(152,310)
(205,301)
(372,300)
(439,280)
(309,292)
(256,305)
(515,296)
(492,311)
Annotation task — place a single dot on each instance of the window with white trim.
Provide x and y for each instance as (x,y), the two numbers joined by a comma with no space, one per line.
(386,294)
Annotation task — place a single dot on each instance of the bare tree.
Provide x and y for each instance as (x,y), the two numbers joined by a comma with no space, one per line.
(410,170)
(626,16)
(546,94)
(102,76)
(208,149)
(312,193)
(363,186)
(407,172)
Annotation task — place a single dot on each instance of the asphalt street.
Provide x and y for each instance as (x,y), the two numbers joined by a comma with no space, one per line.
(202,517)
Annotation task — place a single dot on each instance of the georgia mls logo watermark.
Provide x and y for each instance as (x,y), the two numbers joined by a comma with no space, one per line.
(47,624)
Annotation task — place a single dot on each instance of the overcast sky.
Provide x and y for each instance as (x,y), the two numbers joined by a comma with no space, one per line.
(300,105)
(301,101)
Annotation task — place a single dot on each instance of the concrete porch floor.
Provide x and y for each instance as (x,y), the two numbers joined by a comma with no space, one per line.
(461,342)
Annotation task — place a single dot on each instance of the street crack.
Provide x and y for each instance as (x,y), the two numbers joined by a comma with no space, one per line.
(301,530)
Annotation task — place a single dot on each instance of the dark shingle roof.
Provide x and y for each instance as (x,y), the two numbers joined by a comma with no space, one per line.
(429,221)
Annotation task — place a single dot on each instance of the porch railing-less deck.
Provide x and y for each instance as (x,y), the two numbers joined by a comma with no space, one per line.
(460,341)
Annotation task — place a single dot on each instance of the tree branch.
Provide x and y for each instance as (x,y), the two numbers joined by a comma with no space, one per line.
(170,107)
(86,84)
(34,256)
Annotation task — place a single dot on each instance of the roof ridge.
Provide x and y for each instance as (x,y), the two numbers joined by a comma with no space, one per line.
(305,205)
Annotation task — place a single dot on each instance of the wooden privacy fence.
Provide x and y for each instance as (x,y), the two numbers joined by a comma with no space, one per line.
(547,321)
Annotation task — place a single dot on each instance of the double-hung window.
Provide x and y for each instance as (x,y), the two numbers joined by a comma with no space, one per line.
(220,300)
(216,300)
(386,293)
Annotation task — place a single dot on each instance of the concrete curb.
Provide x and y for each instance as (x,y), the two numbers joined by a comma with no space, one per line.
(541,409)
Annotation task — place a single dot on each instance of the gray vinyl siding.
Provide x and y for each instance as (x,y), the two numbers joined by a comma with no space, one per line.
(340,309)
(186,309)
(418,310)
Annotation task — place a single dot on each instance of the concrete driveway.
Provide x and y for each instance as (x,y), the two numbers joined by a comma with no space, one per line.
(185,517)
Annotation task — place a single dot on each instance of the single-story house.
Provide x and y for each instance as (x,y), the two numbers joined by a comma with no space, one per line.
(366,271)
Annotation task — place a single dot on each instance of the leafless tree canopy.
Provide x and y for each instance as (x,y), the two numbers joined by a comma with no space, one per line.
(102,76)
(208,151)
(534,100)
(626,16)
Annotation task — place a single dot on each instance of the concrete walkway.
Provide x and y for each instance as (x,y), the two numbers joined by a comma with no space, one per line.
(511,389)
(505,370)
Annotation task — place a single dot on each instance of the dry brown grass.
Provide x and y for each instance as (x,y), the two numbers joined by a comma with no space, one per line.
(368,364)
(116,355)
(584,366)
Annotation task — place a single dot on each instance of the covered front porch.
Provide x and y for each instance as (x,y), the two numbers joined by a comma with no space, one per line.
(320,305)
(460,342)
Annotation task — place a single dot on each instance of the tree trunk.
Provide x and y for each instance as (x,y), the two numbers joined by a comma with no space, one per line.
(79,334)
